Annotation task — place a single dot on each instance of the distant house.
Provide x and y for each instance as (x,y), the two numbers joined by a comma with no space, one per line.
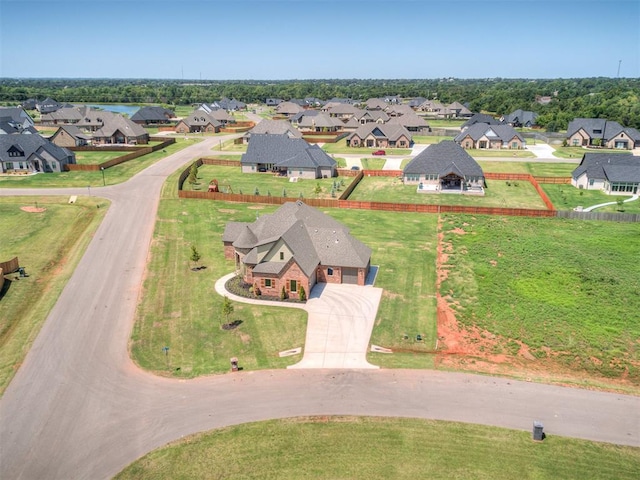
(444,168)
(416,102)
(48,105)
(374,135)
(458,110)
(480,118)
(343,111)
(413,123)
(612,173)
(288,157)
(232,105)
(273,102)
(288,109)
(600,132)
(482,135)
(70,136)
(375,104)
(276,127)
(198,121)
(295,247)
(15,120)
(432,107)
(32,153)
(319,122)
(152,116)
(29,104)
(399,110)
(120,130)
(520,118)
(370,116)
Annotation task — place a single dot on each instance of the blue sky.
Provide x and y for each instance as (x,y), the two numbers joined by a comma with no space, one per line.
(303,39)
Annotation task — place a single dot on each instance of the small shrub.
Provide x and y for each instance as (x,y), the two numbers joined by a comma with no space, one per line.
(256,191)
(302,295)
(283,294)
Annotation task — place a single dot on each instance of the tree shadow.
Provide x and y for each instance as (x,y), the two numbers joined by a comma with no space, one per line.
(5,288)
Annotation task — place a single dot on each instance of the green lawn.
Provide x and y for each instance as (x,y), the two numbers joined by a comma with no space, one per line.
(230,146)
(483,152)
(448,123)
(113,175)
(497,194)
(567,197)
(381,448)
(341,147)
(95,158)
(539,169)
(266,183)
(567,289)
(578,152)
(373,163)
(49,246)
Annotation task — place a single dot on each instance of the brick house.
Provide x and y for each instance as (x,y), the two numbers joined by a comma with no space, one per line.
(601,132)
(70,136)
(120,130)
(32,153)
(483,135)
(612,173)
(198,121)
(375,135)
(295,247)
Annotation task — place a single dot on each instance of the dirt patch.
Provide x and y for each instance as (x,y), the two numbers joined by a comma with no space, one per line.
(227,210)
(458,231)
(256,207)
(30,209)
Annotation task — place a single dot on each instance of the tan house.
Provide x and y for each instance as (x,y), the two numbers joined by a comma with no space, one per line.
(70,136)
(485,136)
(295,248)
(373,135)
(584,132)
(120,130)
(198,121)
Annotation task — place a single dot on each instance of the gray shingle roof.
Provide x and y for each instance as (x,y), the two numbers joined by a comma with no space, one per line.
(442,158)
(389,131)
(480,118)
(275,127)
(312,236)
(32,144)
(152,114)
(283,151)
(476,131)
(122,124)
(521,117)
(614,167)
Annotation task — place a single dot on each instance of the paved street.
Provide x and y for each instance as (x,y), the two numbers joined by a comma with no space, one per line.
(79,408)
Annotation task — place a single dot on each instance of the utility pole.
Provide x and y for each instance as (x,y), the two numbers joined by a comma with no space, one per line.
(619,63)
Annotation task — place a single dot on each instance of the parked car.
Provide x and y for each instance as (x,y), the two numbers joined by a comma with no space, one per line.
(379,152)
(355,167)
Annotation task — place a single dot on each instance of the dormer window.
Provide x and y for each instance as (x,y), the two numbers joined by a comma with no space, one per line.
(281,255)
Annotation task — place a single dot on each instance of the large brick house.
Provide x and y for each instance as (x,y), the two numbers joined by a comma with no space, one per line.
(612,173)
(296,246)
(483,135)
(601,132)
(32,153)
(375,135)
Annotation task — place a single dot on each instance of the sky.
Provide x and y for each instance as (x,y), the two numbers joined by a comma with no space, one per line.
(319,39)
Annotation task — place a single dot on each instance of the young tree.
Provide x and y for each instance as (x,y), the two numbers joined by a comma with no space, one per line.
(193,170)
(283,294)
(195,255)
(302,295)
(318,189)
(620,203)
(227,309)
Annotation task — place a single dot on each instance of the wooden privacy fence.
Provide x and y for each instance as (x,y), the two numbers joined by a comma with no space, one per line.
(135,153)
(10,266)
(554,180)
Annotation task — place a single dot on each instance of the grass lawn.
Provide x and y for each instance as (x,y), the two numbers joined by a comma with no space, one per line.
(483,152)
(265,183)
(540,169)
(95,158)
(112,176)
(183,110)
(341,147)
(566,288)
(567,197)
(230,146)
(380,448)
(373,163)
(49,246)
(578,152)
(429,139)
(444,123)
(497,194)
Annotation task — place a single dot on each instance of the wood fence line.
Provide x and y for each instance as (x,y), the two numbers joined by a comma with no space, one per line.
(137,152)
(600,216)
(10,266)
(554,180)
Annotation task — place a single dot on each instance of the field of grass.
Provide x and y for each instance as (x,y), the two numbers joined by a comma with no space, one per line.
(341,147)
(95,158)
(373,163)
(49,246)
(380,448)
(482,152)
(112,176)
(540,169)
(437,123)
(567,289)
(230,146)
(497,194)
(429,139)
(578,152)
(567,197)
(266,183)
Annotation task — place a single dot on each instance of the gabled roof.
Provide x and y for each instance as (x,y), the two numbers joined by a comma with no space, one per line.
(153,114)
(431,105)
(416,102)
(520,116)
(343,109)
(275,127)
(609,166)
(402,109)
(72,131)
(289,108)
(443,158)
(375,104)
(200,118)
(409,120)
(385,130)
(480,118)
(320,120)
(312,237)
(375,115)
(460,108)
(282,151)
(30,145)
(600,128)
(476,131)
(122,124)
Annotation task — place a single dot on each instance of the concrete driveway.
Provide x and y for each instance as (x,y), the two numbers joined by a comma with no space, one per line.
(339,326)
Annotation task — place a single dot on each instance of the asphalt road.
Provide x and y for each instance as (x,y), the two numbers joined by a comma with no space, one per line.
(79,409)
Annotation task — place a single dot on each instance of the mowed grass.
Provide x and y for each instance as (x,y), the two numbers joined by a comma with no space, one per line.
(341,147)
(113,175)
(381,448)
(430,139)
(566,288)
(500,153)
(567,197)
(49,246)
(266,183)
(538,169)
(497,194)
(578,152)
(95,158)
(373,163)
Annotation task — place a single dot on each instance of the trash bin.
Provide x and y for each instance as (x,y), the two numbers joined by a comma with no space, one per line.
(538,434)
(21,271)
(234,364)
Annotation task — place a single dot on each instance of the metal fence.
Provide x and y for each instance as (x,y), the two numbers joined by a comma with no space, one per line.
(599,216)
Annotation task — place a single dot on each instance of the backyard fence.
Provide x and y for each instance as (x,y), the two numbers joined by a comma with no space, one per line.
(135,153)
(10,266)
(600,216)
(554,180)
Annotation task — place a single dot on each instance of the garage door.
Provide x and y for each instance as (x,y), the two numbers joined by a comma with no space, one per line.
(350,275)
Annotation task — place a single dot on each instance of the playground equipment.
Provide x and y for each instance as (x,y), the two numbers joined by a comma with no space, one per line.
(215,187)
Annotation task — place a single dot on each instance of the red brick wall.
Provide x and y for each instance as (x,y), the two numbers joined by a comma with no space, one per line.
(323,277)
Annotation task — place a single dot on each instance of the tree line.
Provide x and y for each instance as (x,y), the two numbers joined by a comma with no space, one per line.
(611,98)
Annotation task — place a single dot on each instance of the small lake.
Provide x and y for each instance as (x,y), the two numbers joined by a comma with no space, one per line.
(128,110)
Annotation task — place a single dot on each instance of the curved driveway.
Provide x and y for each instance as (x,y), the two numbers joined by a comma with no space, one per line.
(79,408)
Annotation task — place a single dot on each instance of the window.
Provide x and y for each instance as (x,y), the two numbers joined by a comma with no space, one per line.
(514,145)
(329,271)
(267,282)
(293,285)
(281,255)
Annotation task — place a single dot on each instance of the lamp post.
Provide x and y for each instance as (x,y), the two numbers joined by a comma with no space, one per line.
(89,188)
(104,184)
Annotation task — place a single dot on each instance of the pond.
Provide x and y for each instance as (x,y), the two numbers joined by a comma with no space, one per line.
(128,110)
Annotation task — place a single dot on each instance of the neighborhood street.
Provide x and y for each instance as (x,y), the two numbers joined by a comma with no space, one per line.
(78,408)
